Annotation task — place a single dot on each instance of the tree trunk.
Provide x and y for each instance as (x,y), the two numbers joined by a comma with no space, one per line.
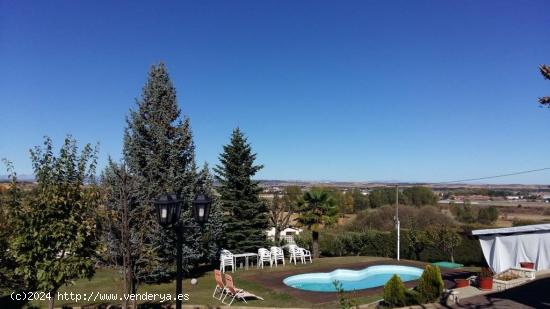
(53,295)
(315,240)
(134,290)
(276,237)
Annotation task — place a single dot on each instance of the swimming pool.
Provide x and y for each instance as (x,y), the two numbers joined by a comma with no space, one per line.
(369,277)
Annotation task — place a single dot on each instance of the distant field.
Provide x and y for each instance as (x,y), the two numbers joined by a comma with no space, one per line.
(506,203)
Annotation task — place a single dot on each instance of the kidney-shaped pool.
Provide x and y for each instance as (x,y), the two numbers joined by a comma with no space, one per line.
(369,277)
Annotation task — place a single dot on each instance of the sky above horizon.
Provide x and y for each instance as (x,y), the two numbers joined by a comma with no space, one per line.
(350,90)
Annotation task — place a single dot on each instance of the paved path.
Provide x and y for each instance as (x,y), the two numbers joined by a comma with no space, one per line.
(535,294)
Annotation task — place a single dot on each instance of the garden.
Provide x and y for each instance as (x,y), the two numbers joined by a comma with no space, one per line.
(75,231)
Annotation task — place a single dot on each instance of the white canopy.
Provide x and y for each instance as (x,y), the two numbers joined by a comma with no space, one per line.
(504,248)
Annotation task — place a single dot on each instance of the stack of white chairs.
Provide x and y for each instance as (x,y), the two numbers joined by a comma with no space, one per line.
(277,253)
(295,253)
(264,256)
(227,260)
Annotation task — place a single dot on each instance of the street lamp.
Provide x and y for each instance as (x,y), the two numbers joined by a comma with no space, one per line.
(168,208)
(201,208)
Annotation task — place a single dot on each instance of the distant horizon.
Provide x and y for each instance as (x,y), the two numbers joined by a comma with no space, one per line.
(26,178)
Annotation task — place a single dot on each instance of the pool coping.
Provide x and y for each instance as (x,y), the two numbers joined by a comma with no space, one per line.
(274,280)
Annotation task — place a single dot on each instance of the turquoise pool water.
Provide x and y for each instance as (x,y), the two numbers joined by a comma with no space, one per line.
(448,265)
(369,277)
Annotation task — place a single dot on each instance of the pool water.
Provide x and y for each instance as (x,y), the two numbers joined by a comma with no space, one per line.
(448,265)
(370,277)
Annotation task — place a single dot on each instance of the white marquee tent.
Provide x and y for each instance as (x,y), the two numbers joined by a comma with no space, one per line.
(504,248)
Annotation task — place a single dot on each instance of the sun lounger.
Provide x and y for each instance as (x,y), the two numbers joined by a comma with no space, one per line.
(220,286)
(236,293)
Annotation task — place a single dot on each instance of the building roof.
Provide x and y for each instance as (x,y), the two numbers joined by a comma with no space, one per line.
(514,229)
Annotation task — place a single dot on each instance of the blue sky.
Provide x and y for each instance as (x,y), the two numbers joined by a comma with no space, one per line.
(325,90)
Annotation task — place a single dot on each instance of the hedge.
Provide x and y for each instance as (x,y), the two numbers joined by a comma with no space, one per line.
(376,243)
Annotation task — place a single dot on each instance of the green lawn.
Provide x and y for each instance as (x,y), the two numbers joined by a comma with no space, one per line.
(108,281)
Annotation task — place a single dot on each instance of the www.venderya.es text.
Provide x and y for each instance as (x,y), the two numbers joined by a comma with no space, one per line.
(98,296)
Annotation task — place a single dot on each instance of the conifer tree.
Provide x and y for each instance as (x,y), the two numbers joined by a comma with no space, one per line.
(245,215)
(214,228)
(160,153)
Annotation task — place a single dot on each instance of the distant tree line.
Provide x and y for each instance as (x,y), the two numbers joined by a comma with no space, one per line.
(466,213)
(417,196)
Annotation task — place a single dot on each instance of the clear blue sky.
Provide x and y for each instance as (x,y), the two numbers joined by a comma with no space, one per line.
(325,90)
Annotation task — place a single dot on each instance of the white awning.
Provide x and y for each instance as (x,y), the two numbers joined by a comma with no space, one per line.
(507,247)
(514,230)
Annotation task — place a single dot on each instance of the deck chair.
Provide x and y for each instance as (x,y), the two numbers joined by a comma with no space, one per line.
(220,287)
(236,293)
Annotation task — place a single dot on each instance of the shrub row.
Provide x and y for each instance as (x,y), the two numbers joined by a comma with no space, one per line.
(376,243)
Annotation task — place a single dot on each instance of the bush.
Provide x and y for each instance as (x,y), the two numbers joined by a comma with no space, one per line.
(487,215)
(394,292)
(431,285)
(412,297)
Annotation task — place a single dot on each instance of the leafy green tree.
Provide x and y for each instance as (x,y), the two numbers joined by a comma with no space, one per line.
(10,199)
(360,201)
(384,196)
(160,154)
(487,215)
(545,71)
(445,239)
(419,196)
(463,213)
(343,200)
(318,210)
(246,215)
(417,239)
(55,230)
(215,229)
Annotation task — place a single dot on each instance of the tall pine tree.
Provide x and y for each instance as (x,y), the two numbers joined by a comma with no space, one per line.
(214,232)
(246,216)
(160,153)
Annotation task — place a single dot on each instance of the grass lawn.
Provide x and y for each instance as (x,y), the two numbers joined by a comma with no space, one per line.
(109,281)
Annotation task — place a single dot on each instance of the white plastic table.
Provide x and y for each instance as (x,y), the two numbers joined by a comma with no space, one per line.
(246,256)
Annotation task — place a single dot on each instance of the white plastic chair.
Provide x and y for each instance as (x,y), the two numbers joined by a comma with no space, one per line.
(277,253)
(264,256)
(296,253)
(306,254)
(226,260)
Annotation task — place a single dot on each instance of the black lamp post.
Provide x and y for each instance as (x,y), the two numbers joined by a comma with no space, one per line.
(169,211)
